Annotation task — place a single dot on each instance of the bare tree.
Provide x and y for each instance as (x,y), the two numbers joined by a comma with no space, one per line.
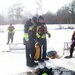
(72,10)
(15,13)
(2,20)
(39,7)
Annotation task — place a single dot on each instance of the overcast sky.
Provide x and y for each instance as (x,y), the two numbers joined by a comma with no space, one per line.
(31,6)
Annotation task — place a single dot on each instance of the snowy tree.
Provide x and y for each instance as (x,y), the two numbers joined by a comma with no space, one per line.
(15,13)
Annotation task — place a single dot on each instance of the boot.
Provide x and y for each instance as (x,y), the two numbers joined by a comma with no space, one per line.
(7,43)
(41,60)
(71,55)
(46,58)
(35,63)
(30,64)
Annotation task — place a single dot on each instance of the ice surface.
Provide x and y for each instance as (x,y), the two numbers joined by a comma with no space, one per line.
(14,62)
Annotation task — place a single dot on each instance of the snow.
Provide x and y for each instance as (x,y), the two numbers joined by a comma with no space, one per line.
(14,62)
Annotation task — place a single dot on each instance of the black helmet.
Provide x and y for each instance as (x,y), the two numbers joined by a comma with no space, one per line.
(34,19)
(41,17)
(10,24)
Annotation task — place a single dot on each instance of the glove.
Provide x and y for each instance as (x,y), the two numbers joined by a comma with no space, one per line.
(28,44)
(49,35)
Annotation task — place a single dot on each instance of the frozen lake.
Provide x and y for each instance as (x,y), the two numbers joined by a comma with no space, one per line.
(12,63)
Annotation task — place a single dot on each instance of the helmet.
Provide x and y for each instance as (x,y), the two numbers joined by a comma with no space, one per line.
(34,19)
(41,17)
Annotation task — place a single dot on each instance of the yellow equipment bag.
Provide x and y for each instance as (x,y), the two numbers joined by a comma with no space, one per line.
(37,53)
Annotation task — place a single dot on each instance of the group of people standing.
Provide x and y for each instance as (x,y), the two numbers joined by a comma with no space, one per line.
(35,30)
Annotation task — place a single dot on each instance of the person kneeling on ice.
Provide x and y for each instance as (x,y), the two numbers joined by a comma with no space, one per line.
(43,71)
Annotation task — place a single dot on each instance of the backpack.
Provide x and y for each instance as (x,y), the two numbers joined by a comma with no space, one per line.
(51,54)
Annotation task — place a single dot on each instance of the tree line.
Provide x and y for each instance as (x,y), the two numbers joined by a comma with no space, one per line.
(16,15)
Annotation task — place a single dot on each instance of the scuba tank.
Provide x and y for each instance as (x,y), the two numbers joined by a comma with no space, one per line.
(37,53)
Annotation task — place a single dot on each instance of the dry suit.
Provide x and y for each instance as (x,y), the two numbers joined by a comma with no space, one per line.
(72,45)
(41,37)
(30,34)
(11,31)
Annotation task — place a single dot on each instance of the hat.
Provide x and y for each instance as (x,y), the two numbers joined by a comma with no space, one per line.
(41,17)
(34,19)
(10,24)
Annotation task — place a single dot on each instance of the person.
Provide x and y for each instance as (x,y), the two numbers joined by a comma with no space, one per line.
(72,45)
(30,35)
(41,38)
(11,31)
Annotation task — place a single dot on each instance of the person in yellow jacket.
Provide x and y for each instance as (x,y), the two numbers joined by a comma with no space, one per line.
(41,37)
(11,31)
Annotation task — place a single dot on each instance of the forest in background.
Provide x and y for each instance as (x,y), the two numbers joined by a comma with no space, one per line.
(17,15)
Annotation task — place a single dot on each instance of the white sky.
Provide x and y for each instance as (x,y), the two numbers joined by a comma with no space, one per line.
(30,5)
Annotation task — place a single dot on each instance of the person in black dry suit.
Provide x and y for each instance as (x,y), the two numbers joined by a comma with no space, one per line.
(30,36)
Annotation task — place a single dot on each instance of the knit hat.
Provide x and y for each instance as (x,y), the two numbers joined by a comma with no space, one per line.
(34,19)
(10,24)
(41,17)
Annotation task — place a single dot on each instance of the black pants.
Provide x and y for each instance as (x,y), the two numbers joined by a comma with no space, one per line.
(10,37)
(28,59)
(72,47)
(30,52)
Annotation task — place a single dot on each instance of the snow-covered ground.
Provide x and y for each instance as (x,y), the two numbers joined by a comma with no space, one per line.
(14,62)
